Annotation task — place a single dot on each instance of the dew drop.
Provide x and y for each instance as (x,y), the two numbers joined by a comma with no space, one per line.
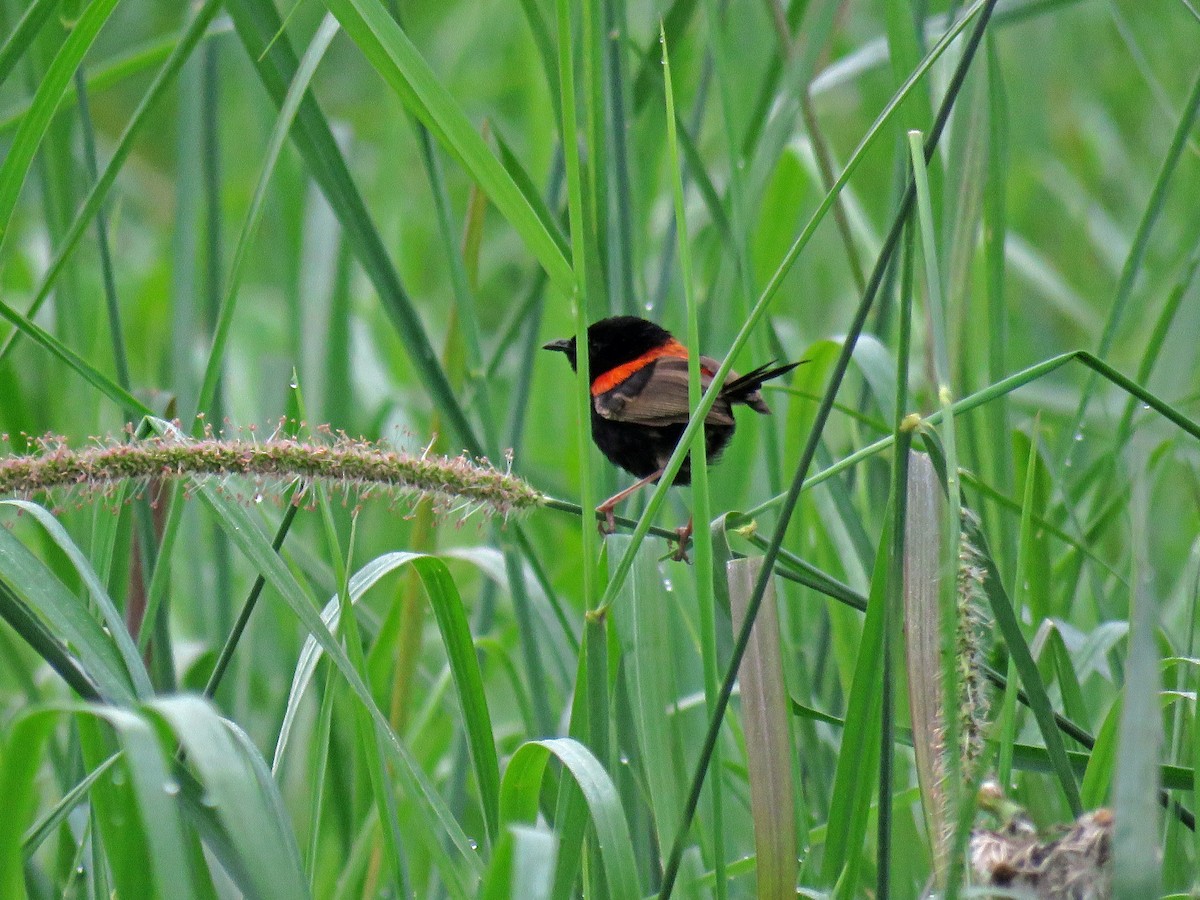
(1079,435)
(258,498)
(171,788)
(473,843)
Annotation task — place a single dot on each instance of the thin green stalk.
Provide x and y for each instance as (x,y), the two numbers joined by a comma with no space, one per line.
(1137,254)
(793,495)
(160,566)
(622,252)
(695,170)
(995,234)
(1009,384)
(579,291)
(893,610)
(591,720)
(143,521)
(1158,336)
(892,615)
(760,308)
(34,124)
(289,109)
(594,166)
(321,740)
(739,203)
(1008,707)
(22,36)
(239,627)
(213,241)
(530,645)
(372,741)
(701,506)
(258,25)
(112,307)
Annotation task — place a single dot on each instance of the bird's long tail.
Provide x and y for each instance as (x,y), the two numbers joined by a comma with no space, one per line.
(744,388)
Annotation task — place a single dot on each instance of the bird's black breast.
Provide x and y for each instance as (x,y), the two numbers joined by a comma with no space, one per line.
(642,450)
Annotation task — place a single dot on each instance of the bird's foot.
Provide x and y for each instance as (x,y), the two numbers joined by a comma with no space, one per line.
(683,536)
(608,524)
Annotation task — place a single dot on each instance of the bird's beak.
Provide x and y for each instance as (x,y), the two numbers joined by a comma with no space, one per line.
(562,345)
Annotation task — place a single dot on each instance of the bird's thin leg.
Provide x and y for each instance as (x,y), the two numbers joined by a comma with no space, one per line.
(609,525)
(683,535)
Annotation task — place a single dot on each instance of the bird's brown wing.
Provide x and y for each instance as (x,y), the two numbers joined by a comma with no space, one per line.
(657,394)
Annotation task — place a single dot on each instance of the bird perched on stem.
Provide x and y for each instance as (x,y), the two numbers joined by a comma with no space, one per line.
(640,407)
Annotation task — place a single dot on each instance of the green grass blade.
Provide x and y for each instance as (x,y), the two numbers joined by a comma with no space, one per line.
(1137,252)
(236,782)
(371,740)
(519,799)
(810,449)
(104,182)
(20,759)
(33,585)
(108,610)
(1031,680)
(394,56)
(92,375)
(34,125)
(23,33)
(464,665)
(37,833)
(1095,786)
(522,866)
(456,636)
(297,91)
(156,793)
(1021,582)
(857,761)
(260,30)
(761,305)
(246,534)
(647,633)
(774,871)
(47,645)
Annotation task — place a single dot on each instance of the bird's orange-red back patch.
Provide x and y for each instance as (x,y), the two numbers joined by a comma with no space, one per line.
(604,383)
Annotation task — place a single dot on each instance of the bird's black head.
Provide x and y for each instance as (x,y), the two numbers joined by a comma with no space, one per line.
(613,342)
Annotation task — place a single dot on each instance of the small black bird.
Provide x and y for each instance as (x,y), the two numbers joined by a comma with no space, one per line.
(640,400)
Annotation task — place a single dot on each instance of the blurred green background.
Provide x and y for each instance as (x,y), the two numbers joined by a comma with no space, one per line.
(1065,217)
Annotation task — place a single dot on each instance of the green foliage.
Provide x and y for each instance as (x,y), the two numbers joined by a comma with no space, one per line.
(977,223)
